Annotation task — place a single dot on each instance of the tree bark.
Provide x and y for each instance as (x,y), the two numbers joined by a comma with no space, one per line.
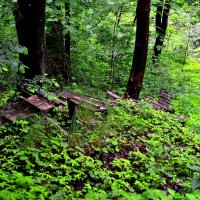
(117,22)
(67,35)
(58,59)
(162,14)
(30,25)
(141,48)
(68,42)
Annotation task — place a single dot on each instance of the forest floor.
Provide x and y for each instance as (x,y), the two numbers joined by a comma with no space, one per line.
(129,153)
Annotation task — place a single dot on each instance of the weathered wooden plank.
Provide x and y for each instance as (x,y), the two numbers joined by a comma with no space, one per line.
(113,95)
(69,95)
(90,103)
(166,96)
(55,101)
(39,102)
(86,101)
(167,104)
(14,111)
(101,109)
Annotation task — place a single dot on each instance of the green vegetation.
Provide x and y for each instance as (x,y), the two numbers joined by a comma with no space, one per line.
(129,152)
(121,156)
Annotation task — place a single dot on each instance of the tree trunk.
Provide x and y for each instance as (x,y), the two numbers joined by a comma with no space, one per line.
(30,25)
(68,42)
(67,35)
(58,59)
(161,27)
(141,48)
(117,22)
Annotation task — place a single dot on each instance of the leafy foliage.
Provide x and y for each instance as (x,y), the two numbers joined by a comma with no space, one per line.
(126,153)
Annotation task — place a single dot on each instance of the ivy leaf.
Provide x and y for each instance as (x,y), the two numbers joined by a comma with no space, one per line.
(195,183)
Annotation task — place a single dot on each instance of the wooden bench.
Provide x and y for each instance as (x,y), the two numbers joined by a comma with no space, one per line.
(29,104)
(74,100)
(162,104)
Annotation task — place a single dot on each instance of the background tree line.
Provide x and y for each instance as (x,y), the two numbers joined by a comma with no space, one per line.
(84,39)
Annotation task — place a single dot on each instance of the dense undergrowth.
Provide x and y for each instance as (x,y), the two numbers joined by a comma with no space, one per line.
(130,153)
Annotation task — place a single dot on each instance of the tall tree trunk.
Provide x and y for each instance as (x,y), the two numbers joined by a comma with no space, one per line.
(68,42)
(58,59)
(67,35)
(141,48)
(162,14)
(117,22)
(30,25)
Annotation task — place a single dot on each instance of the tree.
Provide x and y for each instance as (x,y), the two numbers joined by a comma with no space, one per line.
(58,59)
(117,22)
(141,48)
(67,35)
(30,24)
(163,9)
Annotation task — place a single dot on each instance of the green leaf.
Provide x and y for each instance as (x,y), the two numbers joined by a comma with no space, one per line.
(5,69)
(190,196)
(195,183)
(22,69)
(56,84)
(195,168)
(172,192)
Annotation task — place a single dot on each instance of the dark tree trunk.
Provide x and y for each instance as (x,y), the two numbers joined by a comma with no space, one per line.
(67,35)
(141,48)
(161,27)
(68,43)
(30,25)
(58,59)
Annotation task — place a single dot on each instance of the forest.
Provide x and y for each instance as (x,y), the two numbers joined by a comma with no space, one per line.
(100,99)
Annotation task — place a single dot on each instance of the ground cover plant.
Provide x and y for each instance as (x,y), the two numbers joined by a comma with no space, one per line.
(135,153)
